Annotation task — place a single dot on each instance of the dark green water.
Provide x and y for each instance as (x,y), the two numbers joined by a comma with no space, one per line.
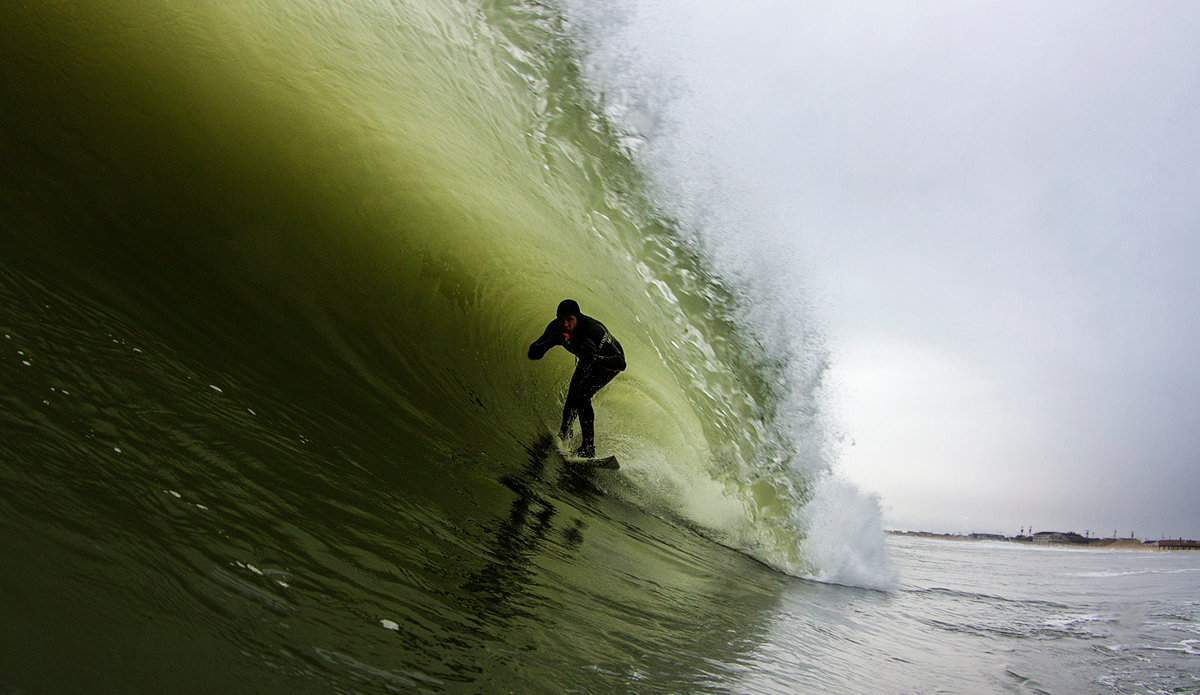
(160,534)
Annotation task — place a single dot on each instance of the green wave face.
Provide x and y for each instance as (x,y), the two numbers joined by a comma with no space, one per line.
(376,206)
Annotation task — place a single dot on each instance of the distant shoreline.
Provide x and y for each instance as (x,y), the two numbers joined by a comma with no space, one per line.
(1059,539)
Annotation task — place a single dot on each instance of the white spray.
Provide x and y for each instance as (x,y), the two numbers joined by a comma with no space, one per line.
(637,59)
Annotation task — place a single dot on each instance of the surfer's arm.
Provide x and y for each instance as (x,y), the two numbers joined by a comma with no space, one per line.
(588,355)
(614,362)
(553,336)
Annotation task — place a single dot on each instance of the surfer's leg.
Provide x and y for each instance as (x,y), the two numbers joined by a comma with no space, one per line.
(576,393)
(568,419)
(588,387)
(587,425)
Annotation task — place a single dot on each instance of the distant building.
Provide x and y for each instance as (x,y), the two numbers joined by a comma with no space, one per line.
(1177,545)
(988,537)
(1059,538)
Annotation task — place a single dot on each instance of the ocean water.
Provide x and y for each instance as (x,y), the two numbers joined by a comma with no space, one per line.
(1006,617)
(268,272)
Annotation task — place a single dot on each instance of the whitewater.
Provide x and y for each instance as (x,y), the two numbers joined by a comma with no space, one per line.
(269,271)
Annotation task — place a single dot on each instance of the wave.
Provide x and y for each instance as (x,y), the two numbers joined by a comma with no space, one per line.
(373,206)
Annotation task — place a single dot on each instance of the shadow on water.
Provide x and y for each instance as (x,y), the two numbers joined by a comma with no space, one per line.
(529,521)
(592,594)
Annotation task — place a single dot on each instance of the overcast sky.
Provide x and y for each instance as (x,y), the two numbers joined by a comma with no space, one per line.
(995,210)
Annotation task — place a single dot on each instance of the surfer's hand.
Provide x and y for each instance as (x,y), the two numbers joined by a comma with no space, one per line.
(560,338)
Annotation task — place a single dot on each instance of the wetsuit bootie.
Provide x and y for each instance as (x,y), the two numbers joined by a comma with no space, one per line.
(587,451)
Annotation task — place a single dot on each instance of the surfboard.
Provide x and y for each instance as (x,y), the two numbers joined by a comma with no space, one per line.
(608,462)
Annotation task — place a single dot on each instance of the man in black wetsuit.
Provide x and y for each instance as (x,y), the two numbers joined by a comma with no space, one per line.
(600,358)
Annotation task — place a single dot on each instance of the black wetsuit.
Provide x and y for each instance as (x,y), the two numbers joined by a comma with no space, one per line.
(600,359)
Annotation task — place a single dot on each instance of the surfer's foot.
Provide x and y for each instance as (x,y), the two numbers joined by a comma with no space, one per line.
(587,451)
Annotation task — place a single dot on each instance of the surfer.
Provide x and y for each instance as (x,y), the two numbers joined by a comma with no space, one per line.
(600,358)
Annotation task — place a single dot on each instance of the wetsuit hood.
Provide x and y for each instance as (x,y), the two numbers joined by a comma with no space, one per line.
(567,307)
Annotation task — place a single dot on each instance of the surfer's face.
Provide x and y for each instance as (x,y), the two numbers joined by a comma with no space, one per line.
(568,323)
